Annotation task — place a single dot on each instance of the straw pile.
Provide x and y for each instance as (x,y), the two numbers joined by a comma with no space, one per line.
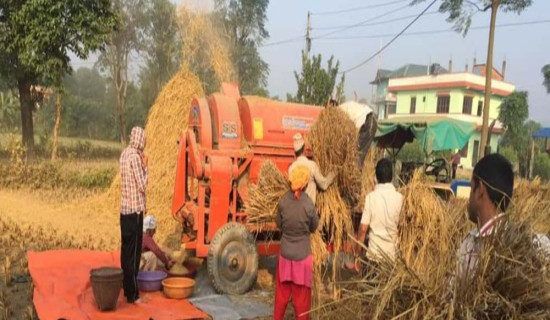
(205,48)
(333,140)
(204,53)
(167,118)
(265,195)
(510,282)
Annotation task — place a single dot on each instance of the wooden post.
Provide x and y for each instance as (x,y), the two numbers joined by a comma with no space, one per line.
(485,146)
(57,118)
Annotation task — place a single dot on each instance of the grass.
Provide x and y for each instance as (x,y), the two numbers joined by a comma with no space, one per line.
(66,141)
(68,147)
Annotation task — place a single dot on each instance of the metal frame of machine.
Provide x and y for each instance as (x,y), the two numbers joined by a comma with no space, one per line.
(220,154)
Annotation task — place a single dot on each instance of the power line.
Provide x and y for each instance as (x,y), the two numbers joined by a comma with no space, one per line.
(300,38)
(362,22)
(392,40)
(436,31)
(377,23)
(372,6)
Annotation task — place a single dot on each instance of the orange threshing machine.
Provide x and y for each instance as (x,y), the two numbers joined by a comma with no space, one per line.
(215,169)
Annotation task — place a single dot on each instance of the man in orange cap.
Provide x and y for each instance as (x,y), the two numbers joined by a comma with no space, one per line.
(297,220)
(316,180)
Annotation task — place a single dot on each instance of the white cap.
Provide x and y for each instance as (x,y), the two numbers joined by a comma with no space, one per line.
(149,223)
(298,141)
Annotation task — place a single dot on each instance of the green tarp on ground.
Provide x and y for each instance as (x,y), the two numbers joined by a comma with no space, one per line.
(433,133)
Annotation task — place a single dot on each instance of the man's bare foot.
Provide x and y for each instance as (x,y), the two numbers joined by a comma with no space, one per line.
(137,301)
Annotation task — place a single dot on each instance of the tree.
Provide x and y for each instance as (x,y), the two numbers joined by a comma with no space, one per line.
(546,73)
(460,13)
(125,40)
(35,41)
(161,53)
(316,84)
(513,113)
(244,21)
(514,110)
(9,108)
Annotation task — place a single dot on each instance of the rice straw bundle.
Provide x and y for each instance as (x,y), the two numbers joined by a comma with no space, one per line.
(368,176)
(421,220)
(263,197)
(333,140)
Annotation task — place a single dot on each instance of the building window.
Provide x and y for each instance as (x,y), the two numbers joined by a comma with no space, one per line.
(479,108)
(464,151)
(467,105)
(443,103)
(413,105)
(391,108)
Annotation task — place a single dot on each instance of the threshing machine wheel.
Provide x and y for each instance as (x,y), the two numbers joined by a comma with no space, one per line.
(233,259)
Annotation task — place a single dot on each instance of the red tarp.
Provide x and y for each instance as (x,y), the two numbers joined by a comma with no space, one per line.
(62,290)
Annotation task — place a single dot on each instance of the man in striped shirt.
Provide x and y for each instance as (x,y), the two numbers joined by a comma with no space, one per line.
(133,168)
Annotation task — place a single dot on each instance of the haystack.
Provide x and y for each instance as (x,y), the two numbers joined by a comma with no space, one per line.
(205,53)
(167,119)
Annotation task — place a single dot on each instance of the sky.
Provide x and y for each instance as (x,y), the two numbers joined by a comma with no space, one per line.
(526,48)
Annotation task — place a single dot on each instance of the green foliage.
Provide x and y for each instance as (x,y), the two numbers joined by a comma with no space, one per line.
(87,107)
(520,141)
(412,152)
(510,154)
(17,172)
(513,112)
(541,166)
(316,84)
(48,175)
(244,21)
(546,73)
(53,29)
(162,51)
(9,111)
(460,12)
(128,38)
(38,36)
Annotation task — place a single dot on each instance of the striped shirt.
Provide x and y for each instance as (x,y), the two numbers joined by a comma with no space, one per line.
(134,174)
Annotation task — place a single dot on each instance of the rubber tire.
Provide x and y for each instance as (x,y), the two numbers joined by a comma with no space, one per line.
(232,232)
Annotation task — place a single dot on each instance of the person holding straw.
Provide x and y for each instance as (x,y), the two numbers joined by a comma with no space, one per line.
(491,191)
(316,178)
(379,220)
(297,220)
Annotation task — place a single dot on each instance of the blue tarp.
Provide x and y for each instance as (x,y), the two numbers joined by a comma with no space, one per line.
(542,133)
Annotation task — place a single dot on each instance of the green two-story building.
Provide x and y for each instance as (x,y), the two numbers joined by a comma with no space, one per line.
(438,92)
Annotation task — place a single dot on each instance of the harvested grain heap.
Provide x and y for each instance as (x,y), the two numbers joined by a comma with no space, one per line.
(510,282)
(204,54)
(167,118)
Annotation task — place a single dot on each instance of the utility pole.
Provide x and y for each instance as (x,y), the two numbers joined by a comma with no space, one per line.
(308,38)
(485,146)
